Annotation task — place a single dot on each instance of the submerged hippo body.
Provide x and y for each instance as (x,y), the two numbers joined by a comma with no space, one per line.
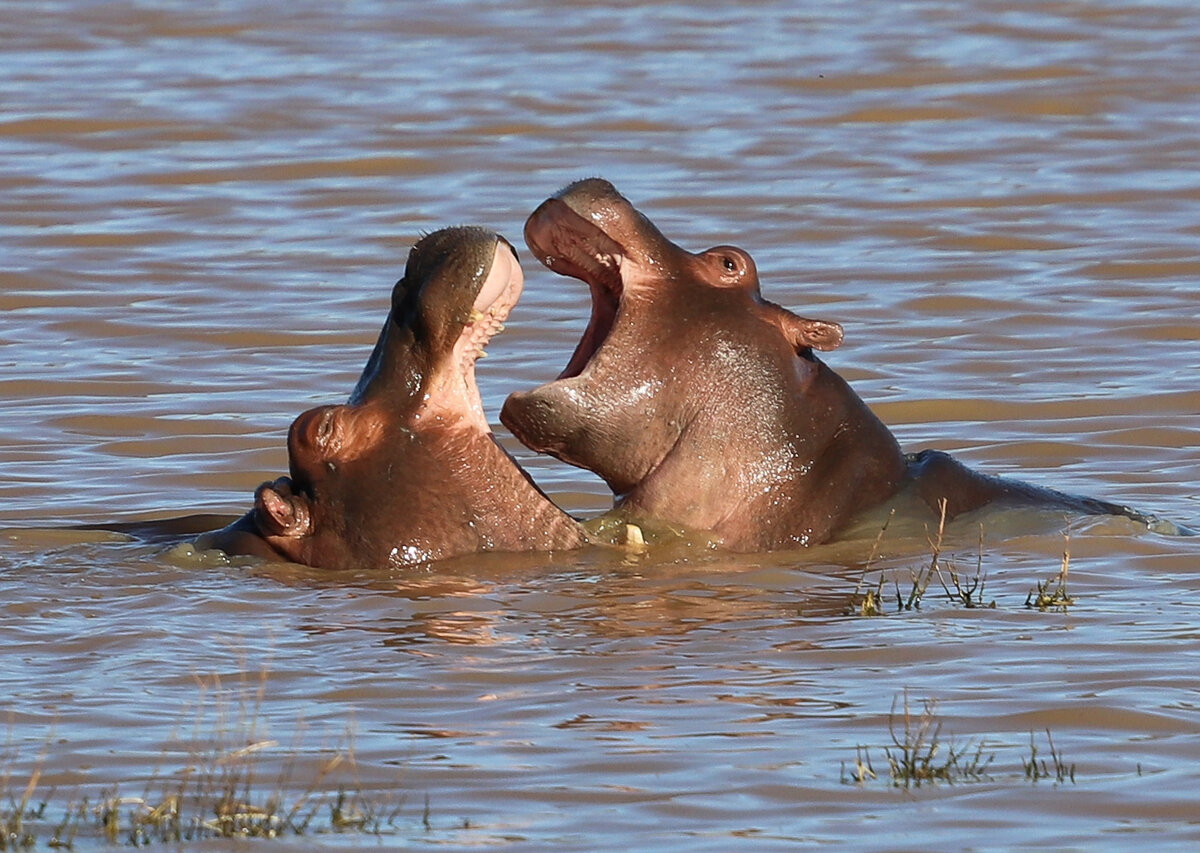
(408,471)
(703,405)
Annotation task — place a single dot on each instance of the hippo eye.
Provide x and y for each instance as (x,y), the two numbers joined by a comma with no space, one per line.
(729,267)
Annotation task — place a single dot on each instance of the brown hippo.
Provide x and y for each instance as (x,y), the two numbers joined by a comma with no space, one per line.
(701,404)
(408,471)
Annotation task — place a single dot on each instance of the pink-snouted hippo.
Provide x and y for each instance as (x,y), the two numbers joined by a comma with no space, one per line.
(703,405)
(408,471)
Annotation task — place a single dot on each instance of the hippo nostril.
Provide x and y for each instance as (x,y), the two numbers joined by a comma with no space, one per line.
(325,429)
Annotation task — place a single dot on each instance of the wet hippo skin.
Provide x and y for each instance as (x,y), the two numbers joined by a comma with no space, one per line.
(408,471)
(702,404)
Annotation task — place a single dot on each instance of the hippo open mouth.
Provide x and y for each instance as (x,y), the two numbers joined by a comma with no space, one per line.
(470,306)
(453,387)
(498,294)
(571,245)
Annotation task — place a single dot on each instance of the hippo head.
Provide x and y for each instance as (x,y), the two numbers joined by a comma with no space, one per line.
(368,484)
(693,397)
(591,232)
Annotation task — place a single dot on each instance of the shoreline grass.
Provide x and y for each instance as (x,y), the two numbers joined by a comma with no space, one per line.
(227,780)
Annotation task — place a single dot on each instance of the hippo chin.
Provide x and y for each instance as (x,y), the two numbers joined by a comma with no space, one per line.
(408,471)
(702,404)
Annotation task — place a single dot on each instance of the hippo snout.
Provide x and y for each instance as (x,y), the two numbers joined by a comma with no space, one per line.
(533,418)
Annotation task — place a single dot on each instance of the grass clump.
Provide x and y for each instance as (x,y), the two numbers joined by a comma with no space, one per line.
(920,578)
(1052,594)
(960,589)
(870,602)
(18,813)
(1036,770)
(919,756)
(968,591)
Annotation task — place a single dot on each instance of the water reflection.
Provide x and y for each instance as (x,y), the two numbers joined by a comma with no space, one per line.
(997,202)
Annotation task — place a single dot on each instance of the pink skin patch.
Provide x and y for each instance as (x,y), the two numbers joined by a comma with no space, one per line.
(452,392)
(505,279)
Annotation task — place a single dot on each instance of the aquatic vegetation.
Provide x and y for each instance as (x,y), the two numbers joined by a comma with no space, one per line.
(961,589)
(1052,594)
(918,754)
(870,603)
(968,591)
(921,577)
(18,817)
(236,783)
(1036,770)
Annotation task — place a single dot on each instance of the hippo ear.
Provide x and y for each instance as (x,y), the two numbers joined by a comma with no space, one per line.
(802,333)
(279,512)
(820,335)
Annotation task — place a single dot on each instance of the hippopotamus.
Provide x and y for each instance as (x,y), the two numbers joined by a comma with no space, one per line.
(701,404)
(407,470)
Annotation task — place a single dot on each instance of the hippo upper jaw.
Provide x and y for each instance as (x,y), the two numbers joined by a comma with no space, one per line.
(570,245)
(451,391)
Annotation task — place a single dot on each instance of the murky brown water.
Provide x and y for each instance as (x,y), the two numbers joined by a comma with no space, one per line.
(202,209)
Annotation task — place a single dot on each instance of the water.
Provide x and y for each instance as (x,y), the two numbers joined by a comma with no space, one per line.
(202,210)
